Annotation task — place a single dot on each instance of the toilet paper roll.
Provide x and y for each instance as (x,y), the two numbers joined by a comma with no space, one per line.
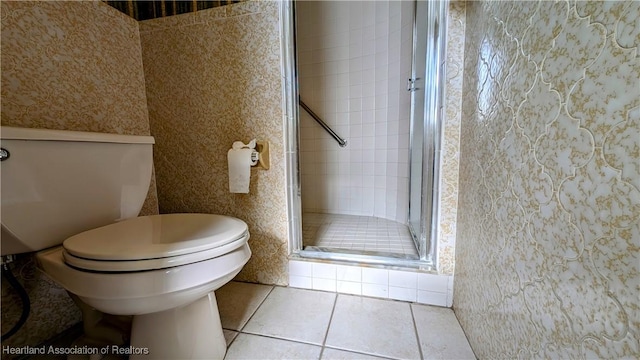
(239,168)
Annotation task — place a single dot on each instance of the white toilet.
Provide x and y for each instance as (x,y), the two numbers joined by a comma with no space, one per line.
(84,191)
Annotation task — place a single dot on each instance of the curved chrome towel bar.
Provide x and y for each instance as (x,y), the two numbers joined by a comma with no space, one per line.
(342,142)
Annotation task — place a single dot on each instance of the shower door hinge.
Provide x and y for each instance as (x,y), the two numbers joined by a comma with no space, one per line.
(411,84)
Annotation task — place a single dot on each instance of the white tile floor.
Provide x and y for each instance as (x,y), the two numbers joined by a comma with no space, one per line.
(364,233)
(271,322)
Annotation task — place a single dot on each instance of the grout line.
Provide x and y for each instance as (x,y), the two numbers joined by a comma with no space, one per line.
(415,329)
(326,334)
(232,340)
(464,332)
(239,331)
(361,353)
(256,310)
(280,338)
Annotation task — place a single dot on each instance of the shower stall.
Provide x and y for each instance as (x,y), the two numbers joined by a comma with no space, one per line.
(364,104)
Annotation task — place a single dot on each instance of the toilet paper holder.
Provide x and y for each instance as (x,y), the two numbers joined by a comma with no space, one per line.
(261,154)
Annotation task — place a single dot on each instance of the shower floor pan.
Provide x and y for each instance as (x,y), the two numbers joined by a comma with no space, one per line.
(357,238)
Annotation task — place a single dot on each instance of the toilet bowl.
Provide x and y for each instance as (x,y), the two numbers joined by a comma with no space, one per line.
(162,269)
(149,264)
(74,198)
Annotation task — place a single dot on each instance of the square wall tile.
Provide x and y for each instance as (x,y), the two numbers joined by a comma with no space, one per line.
(323,284)
(450,292)
(324,271)
(348,273)
(404,279)
(432,298)
(302,282)
(404,294)
(348,287)
(300,268)
(375,276)
(434,283)
(375,290)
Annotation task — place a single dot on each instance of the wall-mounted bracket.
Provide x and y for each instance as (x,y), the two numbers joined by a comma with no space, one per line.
(262,151)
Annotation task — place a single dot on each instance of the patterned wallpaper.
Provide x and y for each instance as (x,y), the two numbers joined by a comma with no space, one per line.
(200,102)
(548,248)
(64,69)
(451,138)
(73,66)
(67,66)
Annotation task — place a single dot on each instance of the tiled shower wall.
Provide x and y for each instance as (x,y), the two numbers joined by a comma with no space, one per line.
(66,66)
(360,174)
(212,78)
(354,60)
(548,260)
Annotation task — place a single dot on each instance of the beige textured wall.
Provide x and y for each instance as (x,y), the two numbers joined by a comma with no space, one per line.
(212,78)
(68,66)
(451,139)
(548,260)
(73,66)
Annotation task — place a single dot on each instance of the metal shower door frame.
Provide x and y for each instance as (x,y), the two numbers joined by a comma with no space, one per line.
(433,111)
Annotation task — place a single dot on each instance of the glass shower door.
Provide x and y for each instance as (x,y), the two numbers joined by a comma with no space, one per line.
(426,86)
(424,137)
(417,87)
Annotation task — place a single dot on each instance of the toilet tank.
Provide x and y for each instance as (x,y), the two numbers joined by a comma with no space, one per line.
(55,184)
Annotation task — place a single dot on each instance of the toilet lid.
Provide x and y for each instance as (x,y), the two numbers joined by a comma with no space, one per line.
(155,237)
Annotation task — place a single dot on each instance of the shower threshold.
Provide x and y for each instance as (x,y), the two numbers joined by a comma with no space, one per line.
(360,257)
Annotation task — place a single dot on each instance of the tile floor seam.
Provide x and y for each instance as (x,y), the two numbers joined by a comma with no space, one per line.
(367,354)
(463,331)
(361,353)
(241,330)
(373,353)
(282,339)
(415,331)
(232,340)
(364,353)
(326,333)
(279,338)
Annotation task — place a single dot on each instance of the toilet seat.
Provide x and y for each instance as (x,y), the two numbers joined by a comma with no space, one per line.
(155,242)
